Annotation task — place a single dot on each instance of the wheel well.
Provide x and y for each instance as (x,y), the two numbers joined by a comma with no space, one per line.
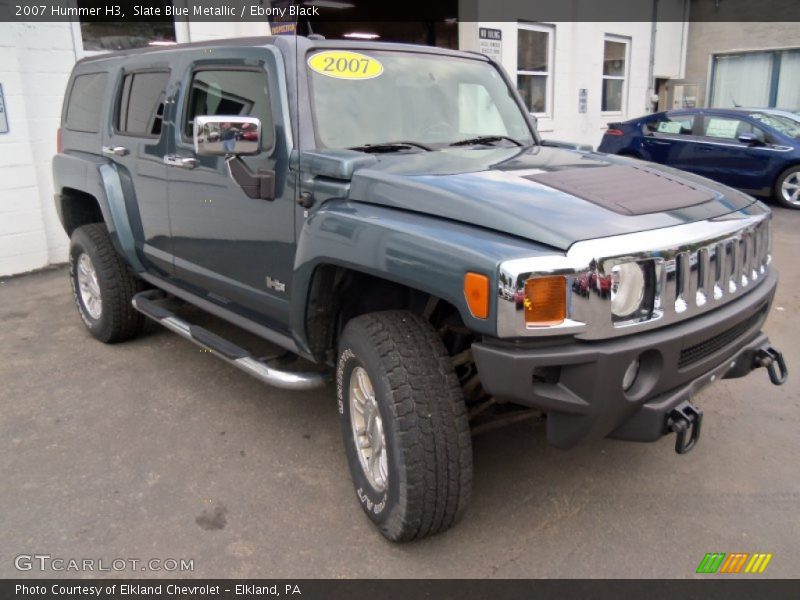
(78,208)
(338,294)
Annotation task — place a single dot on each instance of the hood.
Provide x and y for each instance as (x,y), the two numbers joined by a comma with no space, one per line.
(547,195)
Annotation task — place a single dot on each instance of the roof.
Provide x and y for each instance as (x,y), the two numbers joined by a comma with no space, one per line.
(303,44)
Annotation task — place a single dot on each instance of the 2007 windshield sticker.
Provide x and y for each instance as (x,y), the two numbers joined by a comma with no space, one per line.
(345,65)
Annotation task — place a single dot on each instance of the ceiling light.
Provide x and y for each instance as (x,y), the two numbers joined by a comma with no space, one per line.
(362,36)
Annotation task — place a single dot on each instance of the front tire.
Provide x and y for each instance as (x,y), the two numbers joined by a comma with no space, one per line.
(787,188)
(103,285)
(404,423)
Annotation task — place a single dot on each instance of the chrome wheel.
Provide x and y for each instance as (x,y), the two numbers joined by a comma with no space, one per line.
(790,188)
(367,425)
(89,287)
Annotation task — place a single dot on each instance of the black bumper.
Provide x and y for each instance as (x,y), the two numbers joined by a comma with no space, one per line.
(579,384)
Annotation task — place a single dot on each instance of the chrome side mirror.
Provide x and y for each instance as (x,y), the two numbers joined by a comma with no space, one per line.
(226,135)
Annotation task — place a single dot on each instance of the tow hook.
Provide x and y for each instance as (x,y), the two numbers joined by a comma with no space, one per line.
(773,361)
(685,419)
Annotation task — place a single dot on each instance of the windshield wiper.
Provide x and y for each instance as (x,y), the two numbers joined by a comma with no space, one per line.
(390,147)
(486,139)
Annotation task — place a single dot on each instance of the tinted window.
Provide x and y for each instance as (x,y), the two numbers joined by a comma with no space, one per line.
(141,105)
(674,124)
(242,93)
(727,128)
(86,103)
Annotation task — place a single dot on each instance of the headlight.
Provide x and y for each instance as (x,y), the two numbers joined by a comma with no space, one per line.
(627,289)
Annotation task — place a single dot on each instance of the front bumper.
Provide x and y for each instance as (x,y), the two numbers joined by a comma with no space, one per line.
(578,384)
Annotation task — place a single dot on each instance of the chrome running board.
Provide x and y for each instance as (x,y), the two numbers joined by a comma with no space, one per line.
(147,303)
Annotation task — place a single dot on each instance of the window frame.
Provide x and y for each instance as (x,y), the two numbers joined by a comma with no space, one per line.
(625,78)
(118,101)
(224,66)
(68,102)
(549,74)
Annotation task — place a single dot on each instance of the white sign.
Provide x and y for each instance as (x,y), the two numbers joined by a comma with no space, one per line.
(3,114)
(490,43)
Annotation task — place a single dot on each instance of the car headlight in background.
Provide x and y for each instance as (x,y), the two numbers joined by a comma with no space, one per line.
(627,289)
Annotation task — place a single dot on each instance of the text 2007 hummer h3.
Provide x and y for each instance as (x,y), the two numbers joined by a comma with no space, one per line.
(389,213)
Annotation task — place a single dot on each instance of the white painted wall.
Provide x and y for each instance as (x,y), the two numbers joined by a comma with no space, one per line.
(35,62)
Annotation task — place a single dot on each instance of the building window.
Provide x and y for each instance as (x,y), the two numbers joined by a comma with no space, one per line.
(757,79)
(615,74)
(535,66)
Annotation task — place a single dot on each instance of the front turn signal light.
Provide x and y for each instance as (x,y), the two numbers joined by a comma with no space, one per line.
(545,301)
(476,291)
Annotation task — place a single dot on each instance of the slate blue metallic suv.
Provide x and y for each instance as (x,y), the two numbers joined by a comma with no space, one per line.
(757,151)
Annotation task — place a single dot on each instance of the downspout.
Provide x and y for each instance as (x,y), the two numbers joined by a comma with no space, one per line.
(651,67)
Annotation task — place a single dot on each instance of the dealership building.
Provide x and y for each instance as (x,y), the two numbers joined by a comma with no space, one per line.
(575,76)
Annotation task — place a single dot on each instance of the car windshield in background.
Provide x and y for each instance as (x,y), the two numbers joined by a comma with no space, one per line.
(782,124)
(377,98)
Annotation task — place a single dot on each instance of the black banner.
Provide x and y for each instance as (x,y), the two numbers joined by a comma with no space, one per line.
(438,589)
(353,11)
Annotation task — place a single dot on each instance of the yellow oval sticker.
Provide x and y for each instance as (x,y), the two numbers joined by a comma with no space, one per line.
(345,65)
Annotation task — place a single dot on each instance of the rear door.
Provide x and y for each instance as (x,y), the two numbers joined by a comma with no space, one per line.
(667,139)
(231,249)
(136,142)
(721,156)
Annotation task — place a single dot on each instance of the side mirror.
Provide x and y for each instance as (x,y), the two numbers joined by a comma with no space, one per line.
(534,121)
(226,135)
(751,139)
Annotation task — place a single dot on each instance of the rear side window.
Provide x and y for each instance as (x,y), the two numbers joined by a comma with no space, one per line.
(86,102)
(675,124)
(141,103)
(230,92)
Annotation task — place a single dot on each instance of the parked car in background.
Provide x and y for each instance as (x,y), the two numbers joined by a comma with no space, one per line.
(755,150)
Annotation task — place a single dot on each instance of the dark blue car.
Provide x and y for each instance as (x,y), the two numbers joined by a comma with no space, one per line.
(749,149)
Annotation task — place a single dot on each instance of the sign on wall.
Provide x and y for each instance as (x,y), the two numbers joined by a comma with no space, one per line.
(491,43)
(3,113)
(583,95)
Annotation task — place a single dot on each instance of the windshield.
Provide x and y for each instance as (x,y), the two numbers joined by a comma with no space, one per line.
(784,125)
(379,97)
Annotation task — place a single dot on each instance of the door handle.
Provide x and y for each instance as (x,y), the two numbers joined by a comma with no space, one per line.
(184,162)
(659,142)
(115,150)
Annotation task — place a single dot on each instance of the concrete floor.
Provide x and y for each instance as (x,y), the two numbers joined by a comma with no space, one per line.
(153,449)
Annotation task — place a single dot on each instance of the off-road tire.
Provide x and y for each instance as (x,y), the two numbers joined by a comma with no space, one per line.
(777,192)
(118,320)
(421,404)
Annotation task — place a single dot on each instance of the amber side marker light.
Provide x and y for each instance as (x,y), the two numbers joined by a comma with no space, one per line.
(476,291)
(545,301)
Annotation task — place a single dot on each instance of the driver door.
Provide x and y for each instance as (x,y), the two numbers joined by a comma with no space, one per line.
(229,248)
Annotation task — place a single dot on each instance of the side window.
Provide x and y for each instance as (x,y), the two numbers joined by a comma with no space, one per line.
(86,103)
(230,92)
(141,103)
(727,128)
(675,124)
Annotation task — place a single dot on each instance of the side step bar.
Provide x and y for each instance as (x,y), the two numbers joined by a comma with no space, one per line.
(146,303)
